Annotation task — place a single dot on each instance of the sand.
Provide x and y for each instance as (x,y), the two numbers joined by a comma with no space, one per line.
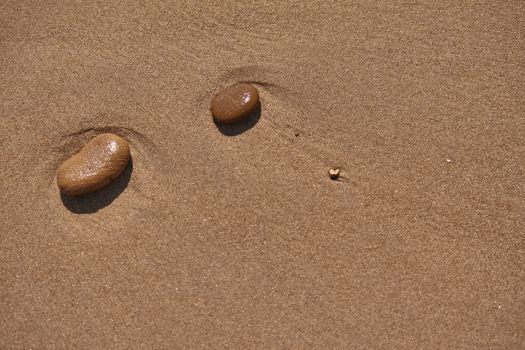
(237,238)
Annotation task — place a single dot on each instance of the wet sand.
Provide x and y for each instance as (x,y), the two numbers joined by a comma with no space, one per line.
(236,237)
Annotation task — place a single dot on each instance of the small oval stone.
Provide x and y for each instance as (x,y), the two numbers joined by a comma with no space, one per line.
(98,163)
(234,103)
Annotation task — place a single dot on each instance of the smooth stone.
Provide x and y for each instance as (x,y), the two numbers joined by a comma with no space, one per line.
(234,103)
(98,163)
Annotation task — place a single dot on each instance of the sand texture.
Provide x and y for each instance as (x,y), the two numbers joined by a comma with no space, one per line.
(235,237)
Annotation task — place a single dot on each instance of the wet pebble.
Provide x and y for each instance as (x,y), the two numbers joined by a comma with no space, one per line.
(98,163)
(234,103)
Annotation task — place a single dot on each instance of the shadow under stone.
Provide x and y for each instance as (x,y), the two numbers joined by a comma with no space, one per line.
(93,202)
(240,127)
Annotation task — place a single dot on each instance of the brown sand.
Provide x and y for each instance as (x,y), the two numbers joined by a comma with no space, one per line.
(230,238)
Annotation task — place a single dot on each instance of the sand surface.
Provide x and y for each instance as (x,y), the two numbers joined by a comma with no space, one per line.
(237,238)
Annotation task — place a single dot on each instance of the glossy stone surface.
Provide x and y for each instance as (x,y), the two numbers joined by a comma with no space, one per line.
(98,163)
(234,103)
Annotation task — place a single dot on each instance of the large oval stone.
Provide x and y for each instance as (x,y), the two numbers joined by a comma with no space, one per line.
(98,163)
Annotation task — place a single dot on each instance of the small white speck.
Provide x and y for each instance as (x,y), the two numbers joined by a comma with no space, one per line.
(449,160)
(499,306)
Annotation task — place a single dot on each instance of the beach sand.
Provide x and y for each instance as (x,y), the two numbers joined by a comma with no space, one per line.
(237,237)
